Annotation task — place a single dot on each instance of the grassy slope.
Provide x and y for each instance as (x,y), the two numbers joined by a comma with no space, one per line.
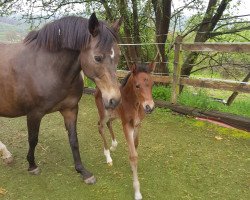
(6,28)
(179,159)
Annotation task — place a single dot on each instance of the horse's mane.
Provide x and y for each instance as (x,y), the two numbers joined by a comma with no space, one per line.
(69,33)
(140,67)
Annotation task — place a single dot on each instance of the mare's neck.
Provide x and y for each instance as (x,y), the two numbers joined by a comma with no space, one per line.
(67,65)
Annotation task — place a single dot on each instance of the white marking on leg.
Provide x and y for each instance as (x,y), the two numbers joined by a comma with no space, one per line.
(4,151)
(133,164)
(108,157)
(114,145)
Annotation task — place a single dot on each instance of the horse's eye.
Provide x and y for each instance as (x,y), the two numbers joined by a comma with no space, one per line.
(137,86)
(98,58)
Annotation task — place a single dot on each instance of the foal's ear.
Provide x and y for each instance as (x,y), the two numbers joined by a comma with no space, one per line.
(132,67)
(117,24)
(93,25)
(151,66)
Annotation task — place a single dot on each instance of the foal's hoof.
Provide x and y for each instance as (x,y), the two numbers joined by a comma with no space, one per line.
(90,181)
(138,196)
(112,148)
(35,171)
(110,164)
(8,161)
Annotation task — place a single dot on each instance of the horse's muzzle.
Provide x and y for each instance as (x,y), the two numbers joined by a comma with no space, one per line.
(148,109)
(112,103)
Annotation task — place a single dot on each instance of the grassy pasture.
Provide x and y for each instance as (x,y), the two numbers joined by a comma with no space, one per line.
(179,158)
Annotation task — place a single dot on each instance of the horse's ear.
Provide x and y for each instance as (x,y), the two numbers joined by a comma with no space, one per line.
(93,25)
(117,24)
(151,66)
(132,67)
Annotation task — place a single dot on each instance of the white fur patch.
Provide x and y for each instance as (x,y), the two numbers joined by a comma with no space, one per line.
(4,151)
(112,53)
(114,145)
(107,155)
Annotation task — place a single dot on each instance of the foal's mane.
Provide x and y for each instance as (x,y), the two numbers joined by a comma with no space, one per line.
(70,32)
(140,67)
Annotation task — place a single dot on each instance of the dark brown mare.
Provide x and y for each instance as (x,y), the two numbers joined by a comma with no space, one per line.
(42,75)
(136,92)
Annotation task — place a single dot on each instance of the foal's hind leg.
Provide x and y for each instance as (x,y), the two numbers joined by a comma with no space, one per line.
(114,142)
(106,149)
(33,123)
(6,155)
(70,118)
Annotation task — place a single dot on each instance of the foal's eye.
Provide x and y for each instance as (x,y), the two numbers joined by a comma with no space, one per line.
(137,86)
(98,58)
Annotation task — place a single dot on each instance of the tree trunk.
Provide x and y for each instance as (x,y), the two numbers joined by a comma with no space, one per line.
(203,34)
(131,51)
(162,11)
(235,94)
(136,30)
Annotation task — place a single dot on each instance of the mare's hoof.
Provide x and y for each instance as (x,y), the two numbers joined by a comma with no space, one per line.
(110,164)
(35,171)
(8,161)
(90,181)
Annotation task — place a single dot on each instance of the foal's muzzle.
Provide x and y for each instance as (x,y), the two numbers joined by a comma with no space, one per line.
(148,109)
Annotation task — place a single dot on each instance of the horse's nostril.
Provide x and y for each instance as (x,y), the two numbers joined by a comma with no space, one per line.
(148,108)
(113,103)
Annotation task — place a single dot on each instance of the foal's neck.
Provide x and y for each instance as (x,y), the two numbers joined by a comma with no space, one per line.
(129,95)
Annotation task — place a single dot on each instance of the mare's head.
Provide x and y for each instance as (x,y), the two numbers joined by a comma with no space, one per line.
(143,84)
(99,61)
(95,43)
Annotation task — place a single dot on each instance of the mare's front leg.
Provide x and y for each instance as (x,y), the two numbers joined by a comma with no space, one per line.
(33,123)
(70,118)
(133,157)
(6,155)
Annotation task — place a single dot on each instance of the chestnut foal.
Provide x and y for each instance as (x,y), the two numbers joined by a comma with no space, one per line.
(136,94)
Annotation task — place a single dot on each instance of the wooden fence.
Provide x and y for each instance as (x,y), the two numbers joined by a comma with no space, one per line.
(176,80)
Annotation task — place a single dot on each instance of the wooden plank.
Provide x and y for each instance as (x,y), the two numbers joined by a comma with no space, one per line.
(217,84)
(223,47)
(227,118)
(177,70)
(156,78)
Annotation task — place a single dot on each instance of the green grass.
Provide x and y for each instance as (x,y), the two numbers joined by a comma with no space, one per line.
(179,158)
(201,98)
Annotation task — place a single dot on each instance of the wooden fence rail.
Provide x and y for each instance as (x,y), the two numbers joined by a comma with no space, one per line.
(176,80)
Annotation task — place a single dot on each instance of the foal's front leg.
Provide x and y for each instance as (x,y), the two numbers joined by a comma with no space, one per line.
(6,155)
(106,149)
(114,142)
(70,118)
(133,158)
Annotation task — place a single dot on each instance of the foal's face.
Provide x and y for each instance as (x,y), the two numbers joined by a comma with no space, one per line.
(143,84)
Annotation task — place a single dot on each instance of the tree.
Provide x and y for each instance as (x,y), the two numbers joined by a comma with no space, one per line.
(162,10)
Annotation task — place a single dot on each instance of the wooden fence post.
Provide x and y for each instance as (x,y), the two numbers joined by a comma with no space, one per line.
(177,69)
